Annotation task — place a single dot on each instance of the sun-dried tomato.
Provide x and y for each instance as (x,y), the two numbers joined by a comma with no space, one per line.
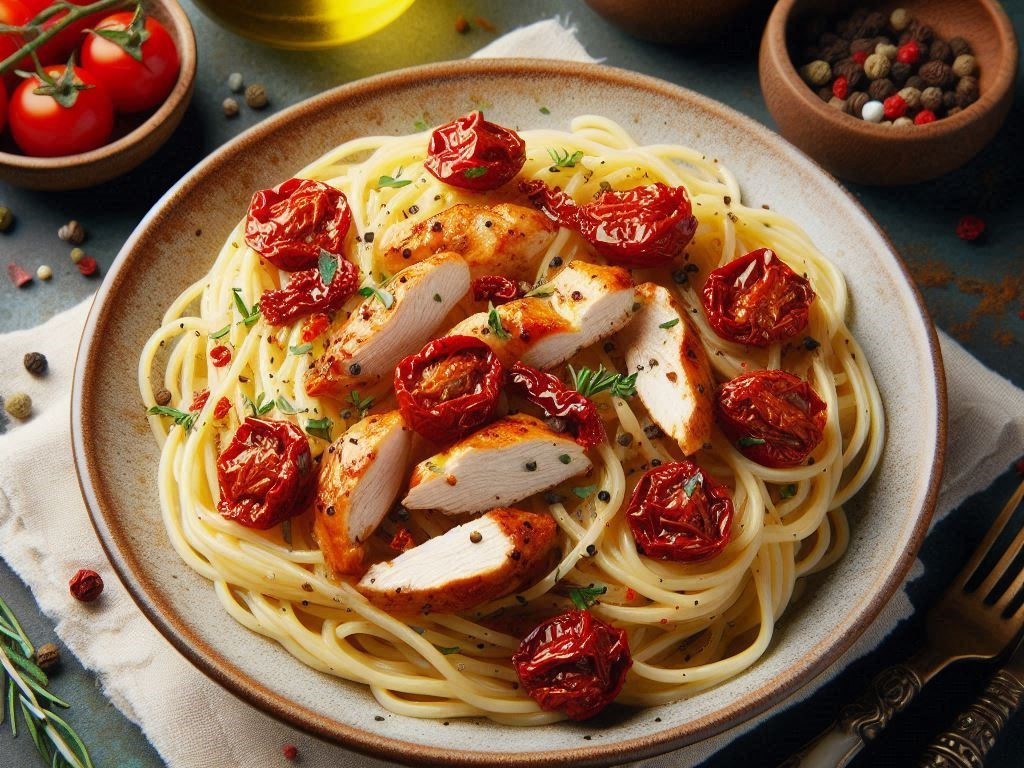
(574,663)
(402,540)
(773,417)
(306,294)
(679,512)
(757,299)
(220,410)
(496,289)
(199,400)
(472,153)
(449,388)
(290,224)
(266,474)
(640,227)
(547,392)
(220,356)
(316,325)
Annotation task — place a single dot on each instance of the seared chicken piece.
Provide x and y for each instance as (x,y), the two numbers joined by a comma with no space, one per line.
(360,478)
(504,462)
(503,239)
(481,560)
(673,373)
(588,303)
(365,347)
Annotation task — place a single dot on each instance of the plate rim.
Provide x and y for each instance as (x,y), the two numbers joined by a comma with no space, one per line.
(219,669)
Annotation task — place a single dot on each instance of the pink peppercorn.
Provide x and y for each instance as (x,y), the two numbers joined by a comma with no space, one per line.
(924,116)
(841,87)
(860,57)
(290,751)
(18,275)
(909,52)
(895,106)
(970,227)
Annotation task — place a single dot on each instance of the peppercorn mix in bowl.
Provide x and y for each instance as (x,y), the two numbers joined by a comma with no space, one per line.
(891,93)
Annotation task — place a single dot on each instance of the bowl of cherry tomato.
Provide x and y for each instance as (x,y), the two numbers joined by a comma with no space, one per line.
(89,89)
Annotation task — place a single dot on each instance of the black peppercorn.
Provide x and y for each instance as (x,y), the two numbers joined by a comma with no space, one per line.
(35,363)
(958,46)
(940,50)
(851,70)
(591,550)
(881,89)
(624,439)
(899,72)
(355,369)
(556,261)
(604,496)
(531,466)
(653,431)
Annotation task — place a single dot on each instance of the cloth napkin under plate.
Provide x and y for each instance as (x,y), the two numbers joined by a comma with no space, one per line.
(45,536)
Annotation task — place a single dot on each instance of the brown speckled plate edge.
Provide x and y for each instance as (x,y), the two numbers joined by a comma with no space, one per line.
(178,633)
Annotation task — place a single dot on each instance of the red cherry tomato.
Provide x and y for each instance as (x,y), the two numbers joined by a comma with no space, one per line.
(472,153)
(266,474)
(43,128)
(547,392)
(757,300)
(773,417)
(220,356)
(641,227)
(291,223)
(495,288)
(449,388)
(17,14)
(679,512)
(133,85)
(58,49)
(574,662)
(306,294)
(3,106)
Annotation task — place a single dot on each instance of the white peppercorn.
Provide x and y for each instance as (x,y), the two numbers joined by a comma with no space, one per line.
(44,272)
(77,254)
(964,65)
(900,122)
(877,66)
(913,98)
(899,19)
(19,405)
(230,107)
(817,72)
(888,50)
(235,82)
(873,111)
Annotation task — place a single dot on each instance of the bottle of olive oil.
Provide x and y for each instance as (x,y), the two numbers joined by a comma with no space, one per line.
(304,24)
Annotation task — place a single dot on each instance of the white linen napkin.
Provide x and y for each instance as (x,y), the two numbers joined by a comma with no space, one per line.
(45,536)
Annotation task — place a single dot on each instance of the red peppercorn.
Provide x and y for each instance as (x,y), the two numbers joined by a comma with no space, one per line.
(970,227)
(290,751)
(220,356)
(316,325)
(909,52)
(86,585)
(841,87)
(88,266)
(895,106)
(924,116)
(220,410)
(860,57)
(630,594)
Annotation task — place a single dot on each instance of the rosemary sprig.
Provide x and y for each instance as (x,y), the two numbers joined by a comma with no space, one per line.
(589,382)
(249,314)
(363,405)
(584,597)
(25,683)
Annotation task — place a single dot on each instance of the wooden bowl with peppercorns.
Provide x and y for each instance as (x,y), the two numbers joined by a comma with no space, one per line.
(135,133)
(845,83)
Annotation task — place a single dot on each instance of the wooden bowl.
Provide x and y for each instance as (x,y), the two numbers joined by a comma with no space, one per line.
(671,21)
(875,153)
(123,153)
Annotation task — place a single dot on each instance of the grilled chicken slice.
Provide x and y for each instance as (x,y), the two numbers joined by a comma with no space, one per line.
(503,239)
(504,462)
(673,373)
(365,347)
(484,559)
(588,302)
(360,479)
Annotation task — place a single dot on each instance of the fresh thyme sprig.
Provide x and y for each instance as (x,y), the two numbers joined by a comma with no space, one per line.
(589,382)
(584,597)
(25,684)
(184,419)
(249,314)
(564,159)
(494,321)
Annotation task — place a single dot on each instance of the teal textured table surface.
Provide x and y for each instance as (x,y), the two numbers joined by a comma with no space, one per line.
(973,291)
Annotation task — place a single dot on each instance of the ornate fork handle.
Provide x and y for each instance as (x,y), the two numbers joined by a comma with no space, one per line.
(977,728)
(860,722)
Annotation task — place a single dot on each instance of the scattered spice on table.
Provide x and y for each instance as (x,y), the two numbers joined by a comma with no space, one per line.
(970,228)
(86,585)
(6,218)
(47,656)
(230,107)
(36,363)
(461,25)
(72,232)
(44,272)
(18,405)
(290,751)
(18,275)
(485,24)
(236,82)
(256,96)
(87,265)
(77,254)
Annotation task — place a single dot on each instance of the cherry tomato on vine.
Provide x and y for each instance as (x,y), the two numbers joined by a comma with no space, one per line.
(679,512)
(3,106)
(757,299)
(640,227)
(472,153)
(69,114)
(16,14)
(134,57)
(574,662)
(449,388)
(773,417)
(58,49)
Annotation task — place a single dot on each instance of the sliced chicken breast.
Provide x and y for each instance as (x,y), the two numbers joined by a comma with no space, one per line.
(587,303)
(506,461)
(484,559)
(674,379)
(365,347)
(503,239)
(360,479)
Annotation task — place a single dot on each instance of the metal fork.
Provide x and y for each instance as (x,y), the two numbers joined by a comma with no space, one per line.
(971,621)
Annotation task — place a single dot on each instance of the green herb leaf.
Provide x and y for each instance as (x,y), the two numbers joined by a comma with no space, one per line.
(320,428)
(302,349)
(565,458)
(434,468)
(475,173)
(417,630)
(328,265)
(388,181)
(746,441)
(261,406)
(494,321)
(249,316)
(448,650)
(625,386)
(383,296)
(285,407)
(670,323)
(589,382)
(545,111)
(584,597)
(584,490)
(420,125)
(690,486)
(541,292)
(562,159)
(222,332)
(787,491)
(363,406)
(182,418)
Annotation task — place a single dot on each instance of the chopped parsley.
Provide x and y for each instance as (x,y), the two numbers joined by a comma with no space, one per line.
(584,597)
(670,323)
(494,321)
(389,181)
(691,485)
(383,296)
(249,314)
(787,491)
(476,172)
(302,349)
(320,428)
(545,111)
(183,419)
(746,441)
(363,406)
(563,159)
(261,406)
(589,382)
(285,407)
(328,266)
(420,125)
(584,491)
(565,458)
(539,293)
(434,468)
(447,650)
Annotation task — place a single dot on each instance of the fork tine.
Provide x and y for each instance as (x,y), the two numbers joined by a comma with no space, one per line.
(994,533)
(1001,568)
